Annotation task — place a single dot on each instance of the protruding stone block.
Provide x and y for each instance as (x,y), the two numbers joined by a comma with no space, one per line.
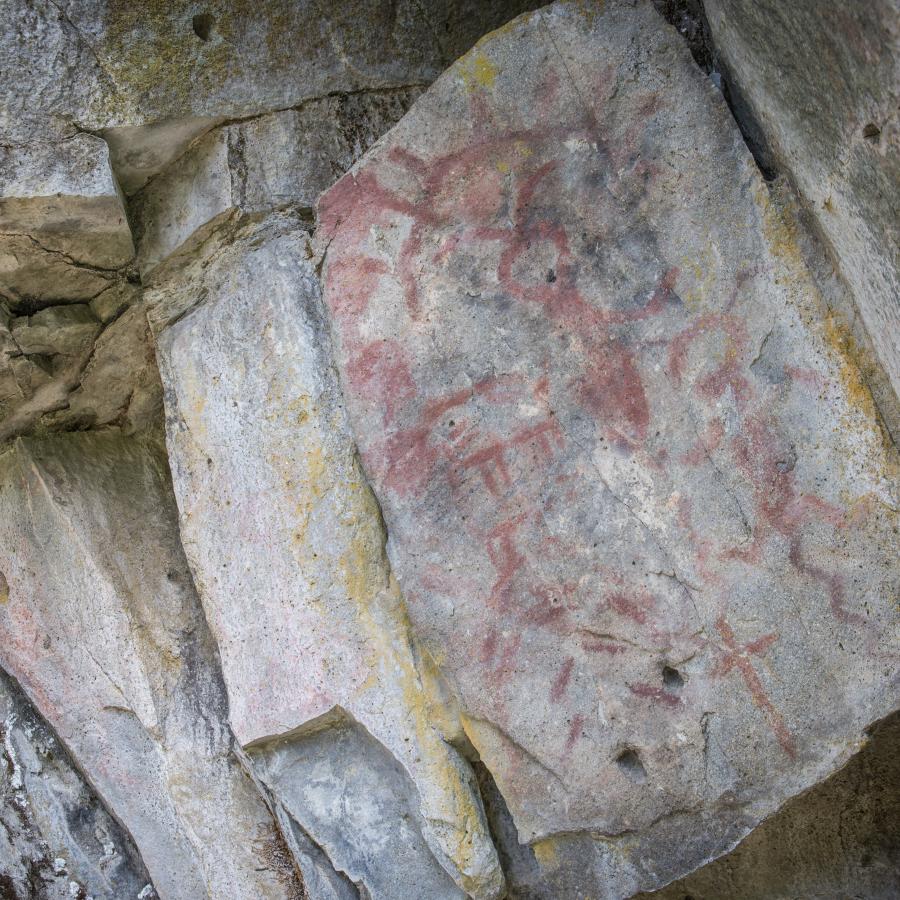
(64,199)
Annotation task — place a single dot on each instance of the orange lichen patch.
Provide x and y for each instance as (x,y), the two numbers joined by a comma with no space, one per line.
(382,615)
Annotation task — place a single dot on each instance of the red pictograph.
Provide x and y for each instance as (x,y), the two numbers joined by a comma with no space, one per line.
(475,440)
(738,656)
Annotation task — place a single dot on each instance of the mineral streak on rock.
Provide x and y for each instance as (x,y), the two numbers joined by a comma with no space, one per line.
(637,512)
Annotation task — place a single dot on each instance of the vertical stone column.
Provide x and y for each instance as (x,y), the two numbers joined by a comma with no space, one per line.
(329,695)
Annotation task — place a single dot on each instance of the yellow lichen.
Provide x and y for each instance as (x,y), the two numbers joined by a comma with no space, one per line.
(841,341)
(477,71)
(781,231)
(545,852)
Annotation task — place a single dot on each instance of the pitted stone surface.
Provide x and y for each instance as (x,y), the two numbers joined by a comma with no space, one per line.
(101,627)
(286,545)
(638,501)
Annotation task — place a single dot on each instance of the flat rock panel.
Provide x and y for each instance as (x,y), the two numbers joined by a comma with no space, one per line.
(638,500)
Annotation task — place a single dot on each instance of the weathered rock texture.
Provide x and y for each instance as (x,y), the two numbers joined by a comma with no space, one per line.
(101,626)
(56,838)
(328,634)
(526,520)
(284,159)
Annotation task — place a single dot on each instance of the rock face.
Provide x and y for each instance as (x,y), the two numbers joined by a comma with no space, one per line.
(155,77)
(328,638)
(109,642)
(821,80)
(628,481)
(525,523)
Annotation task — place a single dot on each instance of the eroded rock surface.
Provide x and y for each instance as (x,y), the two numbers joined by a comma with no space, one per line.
(78,365)
(630,483)
(155,76)
(56,839)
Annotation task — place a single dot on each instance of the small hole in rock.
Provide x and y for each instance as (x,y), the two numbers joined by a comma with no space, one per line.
(551,276)
(630,763)
(203,24)
(672,679)
(871,132)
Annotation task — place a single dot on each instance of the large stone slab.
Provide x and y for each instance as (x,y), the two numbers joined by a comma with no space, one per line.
(638,499)
(286,545)
(822,85)
(100,625)
(837,840)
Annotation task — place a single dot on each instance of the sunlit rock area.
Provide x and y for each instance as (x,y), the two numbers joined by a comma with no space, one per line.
(448,450)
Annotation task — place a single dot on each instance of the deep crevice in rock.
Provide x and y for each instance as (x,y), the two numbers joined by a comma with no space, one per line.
(688,17)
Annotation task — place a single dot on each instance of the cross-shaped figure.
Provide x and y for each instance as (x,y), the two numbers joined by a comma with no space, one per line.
(738,657)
